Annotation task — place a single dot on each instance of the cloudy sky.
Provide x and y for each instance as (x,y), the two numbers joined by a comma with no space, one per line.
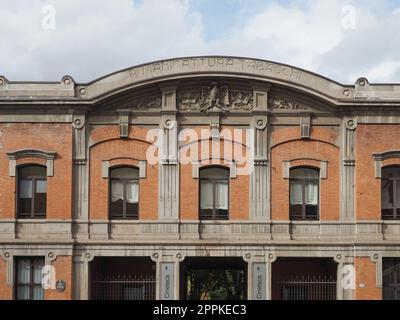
(341,39)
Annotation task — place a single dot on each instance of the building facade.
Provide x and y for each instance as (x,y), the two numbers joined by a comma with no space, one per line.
(275,182)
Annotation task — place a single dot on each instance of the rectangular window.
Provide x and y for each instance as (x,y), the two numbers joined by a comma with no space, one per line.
(31,192)
(28,279)
(304,194)
(124,193)
(390,193)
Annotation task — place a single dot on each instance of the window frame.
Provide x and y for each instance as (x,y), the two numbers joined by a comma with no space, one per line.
(214,181)
(33,179)
(125,182)
(395,215)
(31,285)
(304,216)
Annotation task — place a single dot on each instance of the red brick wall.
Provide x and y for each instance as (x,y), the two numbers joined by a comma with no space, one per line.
(47,137)
(108,146)
(189,187)
(63,266)
(288,147)
(6,292)
(372,139)
(366,273)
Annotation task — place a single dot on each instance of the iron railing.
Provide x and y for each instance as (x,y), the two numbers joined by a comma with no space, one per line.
(124,287)
(308,288)
(391,279)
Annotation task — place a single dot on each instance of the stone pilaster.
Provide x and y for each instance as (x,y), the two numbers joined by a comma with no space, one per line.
(81,280)
(80,168)
(168,167)
(259,180)
(348,169)
(167,275)
(345,279)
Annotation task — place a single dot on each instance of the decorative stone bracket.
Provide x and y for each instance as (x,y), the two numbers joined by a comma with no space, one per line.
(305,126)
(381,157)
(323,166)
(123,121)
(19,154)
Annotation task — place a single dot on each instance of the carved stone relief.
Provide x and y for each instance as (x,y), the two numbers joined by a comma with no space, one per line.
(287,104)
(215,97)
(146,102)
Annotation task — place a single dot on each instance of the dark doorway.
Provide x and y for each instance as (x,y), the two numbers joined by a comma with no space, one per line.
(214,279)
(391,278)
(304,279)
(122,278)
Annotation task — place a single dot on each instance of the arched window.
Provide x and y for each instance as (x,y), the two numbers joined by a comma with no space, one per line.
(304,194)
(214,193)
(32,192)
(124,193)
(390,193)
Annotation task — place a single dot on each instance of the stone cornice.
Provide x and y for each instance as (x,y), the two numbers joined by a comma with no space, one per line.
(266,72)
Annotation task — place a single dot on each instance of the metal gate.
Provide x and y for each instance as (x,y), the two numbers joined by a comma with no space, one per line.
(391,279)
(308,288)
(124,287)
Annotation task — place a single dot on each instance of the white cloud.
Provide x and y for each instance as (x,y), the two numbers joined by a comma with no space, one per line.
(95,37)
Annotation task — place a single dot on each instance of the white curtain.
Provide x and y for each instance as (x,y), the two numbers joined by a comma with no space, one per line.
(221,197)
(23,273)
(387,195)
(117,190)
(24,277)
(296,193)
(132,192)
(311,195)
(206,195)
(41,186)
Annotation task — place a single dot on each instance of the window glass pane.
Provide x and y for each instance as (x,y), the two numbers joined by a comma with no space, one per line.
(37,271)
(296,196)
(117,198)
(125,173)
(29,276)
(22,292)
(296,211)
(25,188)
(41,186)
(206,195)
(397,195)
(132,210)
(391,172)
(132,192)
(117,190)
(32,171)
(38,293)
(221,197)
(387,194)
(23,271)
(311,195)
(311,211)
(214,173)
(304,173)
(40,202)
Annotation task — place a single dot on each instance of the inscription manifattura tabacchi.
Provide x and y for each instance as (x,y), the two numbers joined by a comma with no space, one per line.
(217,63)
